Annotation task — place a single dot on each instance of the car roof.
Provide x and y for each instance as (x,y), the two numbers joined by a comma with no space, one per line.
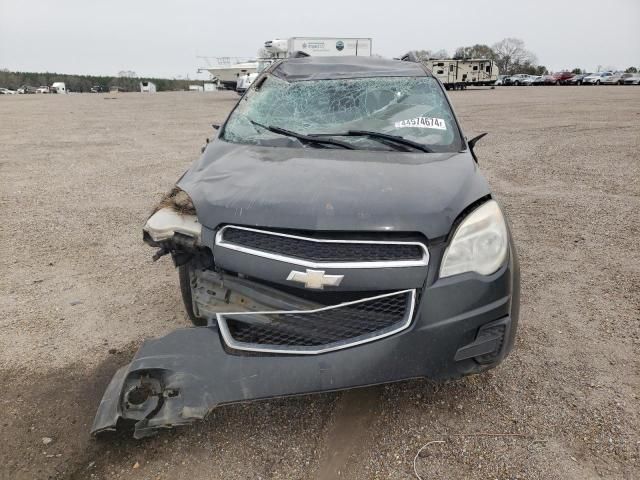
(329,68)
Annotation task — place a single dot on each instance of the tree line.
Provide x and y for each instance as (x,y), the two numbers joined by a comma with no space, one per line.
(510,54)
(83,83)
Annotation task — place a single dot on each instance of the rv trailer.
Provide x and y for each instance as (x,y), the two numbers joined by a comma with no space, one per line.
(458,74)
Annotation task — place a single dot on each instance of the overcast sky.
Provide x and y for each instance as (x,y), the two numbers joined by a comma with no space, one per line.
(162,38)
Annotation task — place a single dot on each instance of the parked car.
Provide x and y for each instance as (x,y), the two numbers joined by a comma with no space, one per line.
(43,89)
(6,91)
(577,79)
(632,79)
(530,80)
(516,80)
(562,77)
(500,80)
(616,78)
(26,89)
(98,89)
(596,78)
(545,80)
(323,244)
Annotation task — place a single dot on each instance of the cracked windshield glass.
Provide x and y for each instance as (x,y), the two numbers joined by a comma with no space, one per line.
(414,108)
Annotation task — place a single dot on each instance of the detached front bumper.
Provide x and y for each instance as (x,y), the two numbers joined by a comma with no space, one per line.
(463,325)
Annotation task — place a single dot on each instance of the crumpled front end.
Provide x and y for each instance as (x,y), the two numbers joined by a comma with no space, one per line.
(270,333)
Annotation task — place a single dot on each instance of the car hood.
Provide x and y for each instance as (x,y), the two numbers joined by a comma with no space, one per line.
(332,189)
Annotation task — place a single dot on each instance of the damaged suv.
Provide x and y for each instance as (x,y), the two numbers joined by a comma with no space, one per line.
(336,233)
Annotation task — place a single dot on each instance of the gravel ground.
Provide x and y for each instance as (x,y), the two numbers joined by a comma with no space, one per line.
(78,294)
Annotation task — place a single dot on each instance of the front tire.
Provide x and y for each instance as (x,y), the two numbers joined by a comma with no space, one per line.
(597,82)
(184,276)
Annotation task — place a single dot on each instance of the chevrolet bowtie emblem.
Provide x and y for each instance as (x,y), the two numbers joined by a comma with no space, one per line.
(315,279)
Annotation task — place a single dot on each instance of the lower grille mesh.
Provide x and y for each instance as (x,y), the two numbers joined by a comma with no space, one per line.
(320,329)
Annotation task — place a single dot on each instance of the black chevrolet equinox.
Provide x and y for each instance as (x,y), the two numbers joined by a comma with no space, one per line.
(336,233)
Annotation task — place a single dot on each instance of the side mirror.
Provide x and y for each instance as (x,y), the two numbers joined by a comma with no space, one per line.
(472,144)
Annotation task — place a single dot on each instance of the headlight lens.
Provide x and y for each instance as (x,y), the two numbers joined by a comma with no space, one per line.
(479,244)
(166,222)
(174,214)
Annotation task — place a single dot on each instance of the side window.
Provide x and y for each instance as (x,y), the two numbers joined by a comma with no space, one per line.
(451,68)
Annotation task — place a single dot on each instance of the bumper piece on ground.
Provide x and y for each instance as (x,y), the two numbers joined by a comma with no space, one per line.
(180,378)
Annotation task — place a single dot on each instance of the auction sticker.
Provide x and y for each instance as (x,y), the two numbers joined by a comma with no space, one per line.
(422,122)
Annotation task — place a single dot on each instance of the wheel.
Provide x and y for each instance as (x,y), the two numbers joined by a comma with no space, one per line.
(579,82)
(597,82)
(516,83)
(185,289)
(619,82)
(557,82)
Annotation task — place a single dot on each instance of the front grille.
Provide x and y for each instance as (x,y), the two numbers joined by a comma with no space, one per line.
(320,330)
(320,250)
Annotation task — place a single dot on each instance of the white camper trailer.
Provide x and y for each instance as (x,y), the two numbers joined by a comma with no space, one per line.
(458,74)
(58,87)
(319,46)
(147,87)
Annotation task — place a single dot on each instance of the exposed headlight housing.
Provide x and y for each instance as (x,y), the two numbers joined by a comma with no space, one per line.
(174,214)
(166,222)
(479,244)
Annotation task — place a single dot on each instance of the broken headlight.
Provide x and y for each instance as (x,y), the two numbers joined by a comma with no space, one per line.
(175,214)
(479,244)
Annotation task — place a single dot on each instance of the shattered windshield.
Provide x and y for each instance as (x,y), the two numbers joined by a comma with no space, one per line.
(414,108)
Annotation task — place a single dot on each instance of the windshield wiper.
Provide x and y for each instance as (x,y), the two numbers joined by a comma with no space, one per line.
(305,139)
(391,138)
(379,136)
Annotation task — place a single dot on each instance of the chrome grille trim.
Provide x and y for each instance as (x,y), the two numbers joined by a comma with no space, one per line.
(250,347)
(220,242)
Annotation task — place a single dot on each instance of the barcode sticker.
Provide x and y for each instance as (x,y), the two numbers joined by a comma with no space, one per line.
(422,122)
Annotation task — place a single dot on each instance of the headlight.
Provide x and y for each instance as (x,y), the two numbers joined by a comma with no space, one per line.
(479,244)
(174,214)
(166,222)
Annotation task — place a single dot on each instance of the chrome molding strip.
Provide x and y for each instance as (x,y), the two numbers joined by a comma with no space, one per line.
(252,347)
(219,241)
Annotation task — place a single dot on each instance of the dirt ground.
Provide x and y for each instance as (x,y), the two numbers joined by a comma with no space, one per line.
(79,293)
